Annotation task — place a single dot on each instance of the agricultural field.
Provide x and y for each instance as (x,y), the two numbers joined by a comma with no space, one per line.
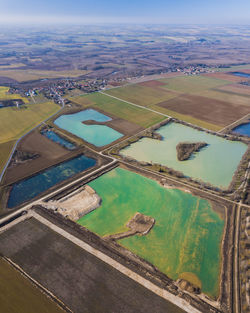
(143,93)
(15,122)
(211,108)
(49,154)
(211,102)
(234,68)
(5,151)
(225,76)
(23,75)
(237,89)
(78,278)
(119,109)
(192,84)
(18,295)
(185,241)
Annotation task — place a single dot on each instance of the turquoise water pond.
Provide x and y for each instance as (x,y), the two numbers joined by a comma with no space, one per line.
(214,164)
(98,135)
(31,187)
(243,129)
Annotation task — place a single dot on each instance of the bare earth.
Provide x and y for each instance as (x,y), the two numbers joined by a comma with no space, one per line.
(49,152)
(207,109)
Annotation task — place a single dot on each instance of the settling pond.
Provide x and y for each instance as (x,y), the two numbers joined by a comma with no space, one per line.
(50,134)
(214,164)
(31,187)
(186,238)
(98,135)
(243,129)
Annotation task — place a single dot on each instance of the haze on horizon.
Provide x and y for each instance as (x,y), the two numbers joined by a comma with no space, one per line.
(131,11)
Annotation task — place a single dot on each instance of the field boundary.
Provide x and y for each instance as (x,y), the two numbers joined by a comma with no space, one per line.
(136,105)
(35,283)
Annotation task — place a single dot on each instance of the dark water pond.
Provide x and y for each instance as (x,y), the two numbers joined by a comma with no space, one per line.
(31,187)
(50,134)
(241,74)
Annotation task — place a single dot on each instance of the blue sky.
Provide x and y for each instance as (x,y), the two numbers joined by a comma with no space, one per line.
(128,11)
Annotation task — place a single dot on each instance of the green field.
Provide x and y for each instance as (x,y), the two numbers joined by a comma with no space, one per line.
(232,68)
(18,295)
(186,238)
(142,95)
(191,84)
(120,109)
(16,122)
(5,151)
(153,95)
(225,96)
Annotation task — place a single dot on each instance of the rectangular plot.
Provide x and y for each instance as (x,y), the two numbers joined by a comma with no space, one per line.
(235,100)
(120,109)
(189,84)
(143,94)
(206,109)
(236,88)
(81,280)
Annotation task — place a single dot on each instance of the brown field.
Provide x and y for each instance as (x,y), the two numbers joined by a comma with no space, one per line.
(210,110)
(123,126)
(225,76)
(245,71)
(19,295)
(50,154)
(236,88)
(152,83)
(22,75)
(79,279)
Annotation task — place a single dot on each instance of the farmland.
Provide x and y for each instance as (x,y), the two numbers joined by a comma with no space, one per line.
(23,75)
(208,101)
(15,122)
(95,204)
(192,84)
(182,241)
(78,278)
(18,295)
(118,108)
(5,150)
(142,94)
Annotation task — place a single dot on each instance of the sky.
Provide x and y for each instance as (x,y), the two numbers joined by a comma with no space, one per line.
(126,11)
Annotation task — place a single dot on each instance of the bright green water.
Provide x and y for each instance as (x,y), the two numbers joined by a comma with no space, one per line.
(187,233)
(214,164)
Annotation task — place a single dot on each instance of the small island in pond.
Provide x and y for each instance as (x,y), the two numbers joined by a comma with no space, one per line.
(186,149)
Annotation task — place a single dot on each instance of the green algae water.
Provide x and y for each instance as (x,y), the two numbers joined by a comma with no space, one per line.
(186,237)
(214,164)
